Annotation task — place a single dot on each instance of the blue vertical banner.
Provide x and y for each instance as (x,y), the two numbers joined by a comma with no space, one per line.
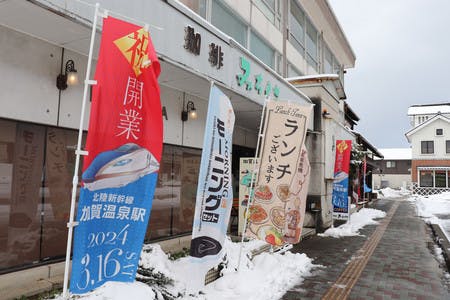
(124,143)
(340,199)
(214,191)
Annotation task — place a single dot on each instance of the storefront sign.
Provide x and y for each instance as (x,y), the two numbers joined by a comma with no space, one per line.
(125,146)
(192,40)
(214,192)
(215,55)
(261,87)
(278,208)
(341,208)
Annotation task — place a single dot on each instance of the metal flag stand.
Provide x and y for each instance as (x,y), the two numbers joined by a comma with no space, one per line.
(255,170)
(78,152)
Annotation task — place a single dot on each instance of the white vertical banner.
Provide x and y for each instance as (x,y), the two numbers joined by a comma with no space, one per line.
(277,212)
(214,192)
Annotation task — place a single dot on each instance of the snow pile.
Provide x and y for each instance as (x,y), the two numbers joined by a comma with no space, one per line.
(391,193)
(434,209)
(357,221)
(267,276)
(118,290)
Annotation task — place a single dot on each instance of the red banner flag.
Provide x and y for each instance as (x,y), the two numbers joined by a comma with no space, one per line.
(126,104)
(124,144)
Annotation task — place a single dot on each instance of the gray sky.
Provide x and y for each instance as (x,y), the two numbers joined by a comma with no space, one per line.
(402,52)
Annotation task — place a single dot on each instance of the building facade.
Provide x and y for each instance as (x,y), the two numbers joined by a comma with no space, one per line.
(430,144)
(394,170)
(263,41)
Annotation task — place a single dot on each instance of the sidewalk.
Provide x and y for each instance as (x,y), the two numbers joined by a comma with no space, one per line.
(392,260)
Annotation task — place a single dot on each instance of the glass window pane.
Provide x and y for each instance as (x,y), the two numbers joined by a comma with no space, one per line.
(197,6)
(293,72)
(440,177)
(21,164)
(296,27)
(59,165)
(311,40)
(229,24)
(160,224)
(426,178)
(448,178)
(189,165)
(327,61)
(267,7)
(261,50)
(447,146)
(175,194)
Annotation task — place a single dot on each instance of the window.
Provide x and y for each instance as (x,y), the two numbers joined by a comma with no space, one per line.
(447,146)
(427,147)
(327,61)
(390,164)
(439,131)
(175,193)
(297,28)
(271,9)
(34,204)
(223,19)
(426,178)
(262,50)
(197,6)
(440,178)
(311,45)
(293,72)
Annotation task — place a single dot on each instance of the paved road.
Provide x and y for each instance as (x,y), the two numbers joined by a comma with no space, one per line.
(392,260)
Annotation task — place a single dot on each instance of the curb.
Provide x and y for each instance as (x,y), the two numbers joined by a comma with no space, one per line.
(443,242)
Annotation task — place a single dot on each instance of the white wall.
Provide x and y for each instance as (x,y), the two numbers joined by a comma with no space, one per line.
(28,92)
(395,181)
(28,71)
(428,133)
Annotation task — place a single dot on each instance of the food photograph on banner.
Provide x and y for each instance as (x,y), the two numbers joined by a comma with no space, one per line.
(277,210)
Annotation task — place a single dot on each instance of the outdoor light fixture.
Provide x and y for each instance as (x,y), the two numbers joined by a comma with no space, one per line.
(326,114)
(190,112)
(69,77)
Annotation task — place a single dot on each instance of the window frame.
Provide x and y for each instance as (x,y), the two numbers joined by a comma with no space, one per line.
(425,147)
(275,11)
(391,164)
(439,132)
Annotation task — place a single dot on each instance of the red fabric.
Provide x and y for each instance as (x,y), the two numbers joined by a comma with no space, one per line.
(343,150)
(113,74)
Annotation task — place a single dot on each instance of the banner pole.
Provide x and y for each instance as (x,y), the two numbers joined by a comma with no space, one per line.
(250,198)
(71,224)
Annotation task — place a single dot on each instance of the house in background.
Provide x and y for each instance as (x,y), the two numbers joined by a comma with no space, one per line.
(394,170)
(430,144)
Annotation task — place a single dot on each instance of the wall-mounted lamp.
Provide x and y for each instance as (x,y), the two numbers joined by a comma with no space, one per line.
(326,114)
(190,112)
(70,76)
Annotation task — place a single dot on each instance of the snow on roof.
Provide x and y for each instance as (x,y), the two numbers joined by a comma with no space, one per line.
(426,123)
(429,109)
(396,153)
(318,76)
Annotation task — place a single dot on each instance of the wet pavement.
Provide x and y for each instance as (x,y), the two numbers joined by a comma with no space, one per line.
(391,260)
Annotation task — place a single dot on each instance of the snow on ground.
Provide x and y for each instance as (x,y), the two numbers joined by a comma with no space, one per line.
(434,209)
(267,276)
(358,220)
(391,193)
